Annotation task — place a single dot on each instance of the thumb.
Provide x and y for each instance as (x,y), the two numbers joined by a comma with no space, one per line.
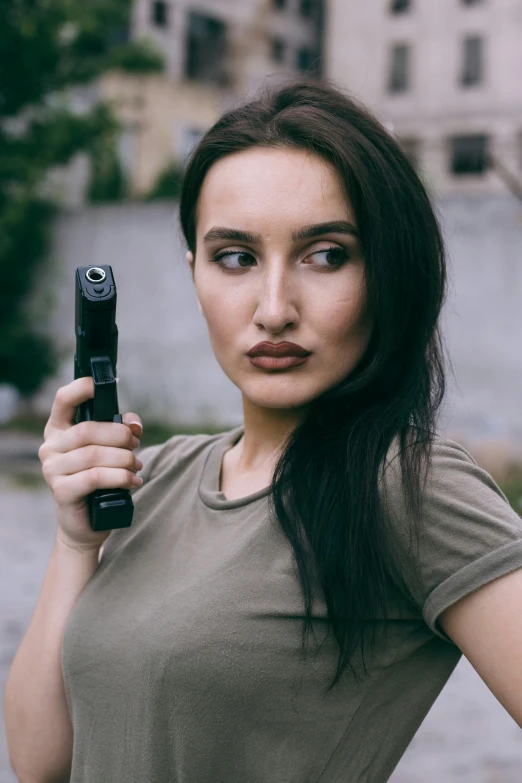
(133,421)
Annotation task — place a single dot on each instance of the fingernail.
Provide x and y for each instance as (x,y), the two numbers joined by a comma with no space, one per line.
(139,464)
(137,480)
(137,423)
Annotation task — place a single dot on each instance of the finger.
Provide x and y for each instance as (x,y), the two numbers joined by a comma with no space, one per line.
(66,401)
(69,489)
(90,457)
(101,433)
(133,421)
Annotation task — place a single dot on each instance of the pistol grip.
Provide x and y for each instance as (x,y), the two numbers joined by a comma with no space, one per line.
(105,396)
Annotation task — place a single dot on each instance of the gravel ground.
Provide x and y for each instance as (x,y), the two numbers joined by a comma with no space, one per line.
(467,736)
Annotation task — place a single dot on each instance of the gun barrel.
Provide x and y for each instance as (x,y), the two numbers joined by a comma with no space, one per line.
(95,274)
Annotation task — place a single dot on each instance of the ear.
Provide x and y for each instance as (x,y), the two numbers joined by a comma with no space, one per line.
(190,258)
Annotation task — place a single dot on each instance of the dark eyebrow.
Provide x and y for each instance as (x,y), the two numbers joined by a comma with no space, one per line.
(307,232)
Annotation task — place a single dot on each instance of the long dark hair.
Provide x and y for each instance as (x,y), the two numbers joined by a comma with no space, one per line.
(326,488)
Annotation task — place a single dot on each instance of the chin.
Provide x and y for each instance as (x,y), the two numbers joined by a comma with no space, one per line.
(278,405)
(282,395)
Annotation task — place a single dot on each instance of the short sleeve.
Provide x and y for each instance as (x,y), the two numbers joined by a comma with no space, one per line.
(469,533)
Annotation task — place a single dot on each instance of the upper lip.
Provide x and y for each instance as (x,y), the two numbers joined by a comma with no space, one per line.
(277,349)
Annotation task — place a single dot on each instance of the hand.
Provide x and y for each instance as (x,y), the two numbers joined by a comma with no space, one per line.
(79,458)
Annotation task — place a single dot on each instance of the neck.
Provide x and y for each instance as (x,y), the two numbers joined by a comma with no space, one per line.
(265,431)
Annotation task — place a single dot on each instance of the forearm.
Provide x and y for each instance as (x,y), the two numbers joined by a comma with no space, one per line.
(38,726)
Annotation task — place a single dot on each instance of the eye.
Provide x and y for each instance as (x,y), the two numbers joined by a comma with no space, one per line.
(218,259)
(338,254)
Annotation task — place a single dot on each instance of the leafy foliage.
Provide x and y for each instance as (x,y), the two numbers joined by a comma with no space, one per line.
(108,181)
(25,356)
(136,57)
(168,184)
(48,50)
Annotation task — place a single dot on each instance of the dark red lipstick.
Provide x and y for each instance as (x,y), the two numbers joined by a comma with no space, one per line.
(277,356)
(278,349)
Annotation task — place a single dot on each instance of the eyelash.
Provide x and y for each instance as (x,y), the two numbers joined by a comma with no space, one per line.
(338,251)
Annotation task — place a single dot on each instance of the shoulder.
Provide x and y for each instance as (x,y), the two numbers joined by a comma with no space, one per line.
(468,533)
(441,448)
(458,499)
(451,468)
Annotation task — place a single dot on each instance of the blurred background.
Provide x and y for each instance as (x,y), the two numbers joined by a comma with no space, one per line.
(100,104)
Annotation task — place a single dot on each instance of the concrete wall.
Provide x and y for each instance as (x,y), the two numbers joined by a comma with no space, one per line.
(166,365)
(483,317)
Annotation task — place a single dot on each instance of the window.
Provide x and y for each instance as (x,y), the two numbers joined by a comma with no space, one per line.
(469,154)
(279,5)
(307,8)
(411,148)
(307,59)
(278,50)
(398,80)
(159,13)
(399,6)
(207,49)
(472,61)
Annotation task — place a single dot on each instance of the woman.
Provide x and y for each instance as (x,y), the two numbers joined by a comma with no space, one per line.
(335,508)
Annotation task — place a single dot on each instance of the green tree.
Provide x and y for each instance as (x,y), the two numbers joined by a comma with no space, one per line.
(108,181)
(48,50)
(168,183)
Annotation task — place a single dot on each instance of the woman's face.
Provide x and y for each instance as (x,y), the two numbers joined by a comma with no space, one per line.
(274,285)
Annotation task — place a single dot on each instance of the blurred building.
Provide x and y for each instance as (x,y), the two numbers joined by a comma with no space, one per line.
(217,51)
(445,76)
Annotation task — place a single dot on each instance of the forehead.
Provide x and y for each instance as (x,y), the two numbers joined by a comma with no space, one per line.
(271,183)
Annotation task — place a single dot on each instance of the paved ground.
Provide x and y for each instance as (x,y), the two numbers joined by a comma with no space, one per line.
(466,738)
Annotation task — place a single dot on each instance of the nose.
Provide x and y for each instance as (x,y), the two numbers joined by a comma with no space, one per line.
(277,301)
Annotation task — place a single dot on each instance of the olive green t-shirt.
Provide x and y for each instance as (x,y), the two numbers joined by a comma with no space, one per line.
(181,657)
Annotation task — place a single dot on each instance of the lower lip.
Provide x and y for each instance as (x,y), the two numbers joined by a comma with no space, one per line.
(277,362)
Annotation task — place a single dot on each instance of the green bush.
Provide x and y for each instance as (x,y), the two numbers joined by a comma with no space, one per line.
(108,181)
(48,48)
(140,57)
(167,185)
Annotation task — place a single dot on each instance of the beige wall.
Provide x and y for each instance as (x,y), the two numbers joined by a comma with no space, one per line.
(360,36)
(159,111)
(251,25)
(156,112)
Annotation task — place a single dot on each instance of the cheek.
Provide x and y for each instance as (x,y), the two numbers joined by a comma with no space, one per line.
(347,319)
(223,316)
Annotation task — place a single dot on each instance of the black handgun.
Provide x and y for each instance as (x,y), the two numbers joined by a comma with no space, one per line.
(96,354)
